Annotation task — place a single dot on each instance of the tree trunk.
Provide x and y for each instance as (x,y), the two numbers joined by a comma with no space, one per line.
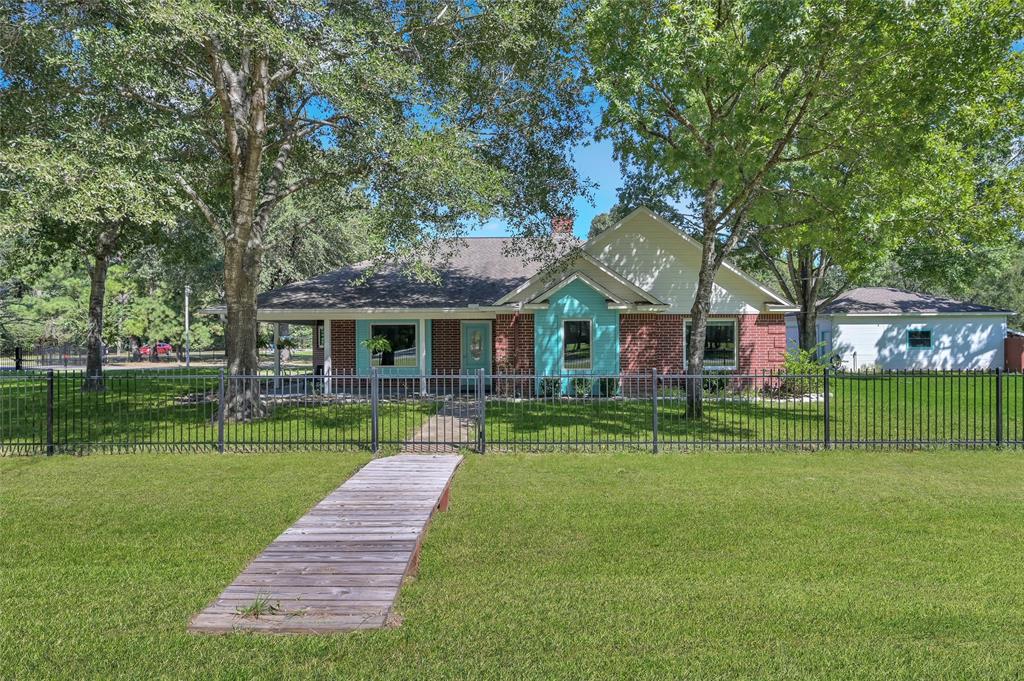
(105,244)
(241,272)
(808,273)
(807,324)
(699,329)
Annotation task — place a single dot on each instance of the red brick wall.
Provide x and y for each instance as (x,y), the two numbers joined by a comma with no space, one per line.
(651,341)
(513,343)
(1014,352)
(513,353)
(655,341)
(446,346)
(343,346)
(762,341)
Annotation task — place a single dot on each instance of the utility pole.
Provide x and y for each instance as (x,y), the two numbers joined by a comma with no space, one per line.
(188,333)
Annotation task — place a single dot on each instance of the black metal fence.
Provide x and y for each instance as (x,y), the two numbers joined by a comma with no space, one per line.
(57,411)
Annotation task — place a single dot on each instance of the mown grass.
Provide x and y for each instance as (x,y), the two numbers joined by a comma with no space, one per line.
(905,409)
(178,408)
(839,565)
(175,408)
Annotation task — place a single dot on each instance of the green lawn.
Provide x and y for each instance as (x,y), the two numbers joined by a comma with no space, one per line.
(839,565)
(908,409)
(154,409)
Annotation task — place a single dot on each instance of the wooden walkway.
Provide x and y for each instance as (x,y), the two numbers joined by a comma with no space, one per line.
(339,568)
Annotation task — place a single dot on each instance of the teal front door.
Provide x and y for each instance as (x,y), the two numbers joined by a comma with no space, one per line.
(476,347)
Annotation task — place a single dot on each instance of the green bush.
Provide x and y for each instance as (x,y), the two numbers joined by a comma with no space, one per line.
(608,386)
(803,372)
(550,386)
(582,387)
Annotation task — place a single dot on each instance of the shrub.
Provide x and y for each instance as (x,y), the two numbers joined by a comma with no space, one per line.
(802,372)
(550,386)
(582,387)
(608,386)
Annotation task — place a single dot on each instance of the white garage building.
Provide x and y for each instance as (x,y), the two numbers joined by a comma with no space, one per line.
(889,328)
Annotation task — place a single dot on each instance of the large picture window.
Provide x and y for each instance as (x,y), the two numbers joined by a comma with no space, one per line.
(576,346)
(719,345)
(400,349)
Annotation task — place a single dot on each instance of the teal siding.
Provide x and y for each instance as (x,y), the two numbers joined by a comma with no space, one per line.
(363,355)
(576,301)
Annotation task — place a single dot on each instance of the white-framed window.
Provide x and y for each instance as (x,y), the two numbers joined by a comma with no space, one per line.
(919,339)
(319,335)
(720,345)
(400,349)
(577,346)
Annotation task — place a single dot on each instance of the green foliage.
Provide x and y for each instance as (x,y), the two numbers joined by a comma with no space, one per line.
(608,386)
(582,386)
(377,344)
(803,371)
(550,386)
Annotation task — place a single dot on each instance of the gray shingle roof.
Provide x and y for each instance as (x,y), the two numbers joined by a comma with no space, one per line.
(881,300)
(479,273)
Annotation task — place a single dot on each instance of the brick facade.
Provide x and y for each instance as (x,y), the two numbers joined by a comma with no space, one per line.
(762,342)
(343,346)
(446,346)
(656,341)
(513,343)
(513,352)
(651,341)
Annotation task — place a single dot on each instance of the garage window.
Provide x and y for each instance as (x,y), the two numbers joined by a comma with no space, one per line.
(919,338)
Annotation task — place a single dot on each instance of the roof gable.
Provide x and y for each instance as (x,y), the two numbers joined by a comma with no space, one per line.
(594,273)
(659,257)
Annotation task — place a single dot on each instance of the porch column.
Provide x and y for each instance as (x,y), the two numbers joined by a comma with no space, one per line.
(277,357)
(327,356)
(423,355)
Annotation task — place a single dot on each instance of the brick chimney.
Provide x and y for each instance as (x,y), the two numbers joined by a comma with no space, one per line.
(561,224)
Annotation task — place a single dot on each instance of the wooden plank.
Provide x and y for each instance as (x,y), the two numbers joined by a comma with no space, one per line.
(340,566)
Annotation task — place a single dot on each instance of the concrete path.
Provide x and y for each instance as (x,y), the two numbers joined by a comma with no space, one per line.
(340,567)
(452,427)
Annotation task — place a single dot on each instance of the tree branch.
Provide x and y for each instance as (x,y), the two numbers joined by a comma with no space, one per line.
(203,207)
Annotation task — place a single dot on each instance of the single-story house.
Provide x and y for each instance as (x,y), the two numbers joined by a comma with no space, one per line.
(620,304)
(889,328)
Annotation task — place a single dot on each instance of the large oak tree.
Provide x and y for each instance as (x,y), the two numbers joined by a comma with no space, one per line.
(714,99)
(435,113)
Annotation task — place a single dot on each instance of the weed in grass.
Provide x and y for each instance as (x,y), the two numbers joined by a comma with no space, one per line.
(260,607)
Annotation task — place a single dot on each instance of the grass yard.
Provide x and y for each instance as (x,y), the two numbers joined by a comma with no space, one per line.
(179,408)
(838,565)
(951,408)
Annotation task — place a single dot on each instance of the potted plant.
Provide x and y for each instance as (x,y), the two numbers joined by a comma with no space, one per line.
(380,344)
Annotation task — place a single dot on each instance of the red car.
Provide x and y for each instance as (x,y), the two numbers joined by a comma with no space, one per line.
(161,349)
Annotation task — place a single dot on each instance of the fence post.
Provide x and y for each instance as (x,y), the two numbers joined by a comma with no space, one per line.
(220,413)
(828,414)
(481,408)
(49,412)
(374,411)
(999,407)
(654,409)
